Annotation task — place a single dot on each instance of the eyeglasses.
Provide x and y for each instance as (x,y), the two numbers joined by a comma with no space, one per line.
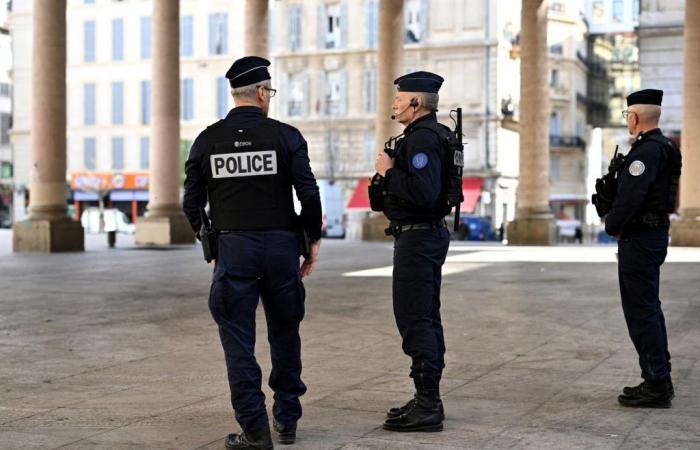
(270,90)
(626,113)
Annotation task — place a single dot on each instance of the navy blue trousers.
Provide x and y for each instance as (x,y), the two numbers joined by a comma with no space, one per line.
(641,254)
(418,259)
(256,265)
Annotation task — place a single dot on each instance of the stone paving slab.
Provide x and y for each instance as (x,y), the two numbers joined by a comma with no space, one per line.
(116,349)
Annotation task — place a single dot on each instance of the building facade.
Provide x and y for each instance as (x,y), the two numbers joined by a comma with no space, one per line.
(5,117)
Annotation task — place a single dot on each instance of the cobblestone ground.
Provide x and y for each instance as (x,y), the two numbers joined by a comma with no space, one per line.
(115,349)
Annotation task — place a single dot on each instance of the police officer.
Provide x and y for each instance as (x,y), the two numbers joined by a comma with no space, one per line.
(415,206)
(245,166)
(647,192)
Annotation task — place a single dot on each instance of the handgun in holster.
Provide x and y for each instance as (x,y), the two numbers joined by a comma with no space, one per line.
(208,236)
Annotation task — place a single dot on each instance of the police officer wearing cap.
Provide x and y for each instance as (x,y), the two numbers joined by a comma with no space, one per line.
(415,206)
(245,167)
(647,193)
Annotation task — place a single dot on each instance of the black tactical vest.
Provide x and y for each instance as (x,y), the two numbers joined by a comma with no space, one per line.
(249,180)
(663,192)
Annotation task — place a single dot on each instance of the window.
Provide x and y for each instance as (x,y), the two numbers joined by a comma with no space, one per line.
(618,7)
(186,36)
(145,102)
(89,104)
(5,126)
(222,96)
(5,90)
(336,94)
(295,30)
(89,41)
(372,23)
(297,95)
(370,94)
(554,124)
(117,39)
(117,153)
(333,26)
(145,152)
(556,49)
(554,78)
(187,99)
(413,17)
(89,2)
(146,37)
(370,150)
(90,153)
(218,34)
(6,170)
(554,168)
(117,103)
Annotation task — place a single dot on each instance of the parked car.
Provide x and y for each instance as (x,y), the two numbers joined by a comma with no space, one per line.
(473,228)
(114,220)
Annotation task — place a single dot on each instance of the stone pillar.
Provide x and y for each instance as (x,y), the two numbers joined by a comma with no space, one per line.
(389,67)
(686,231)
(48,228)
(164,222)
(256,28)
(533,224)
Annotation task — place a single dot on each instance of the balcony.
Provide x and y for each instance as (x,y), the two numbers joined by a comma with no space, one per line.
(560,141)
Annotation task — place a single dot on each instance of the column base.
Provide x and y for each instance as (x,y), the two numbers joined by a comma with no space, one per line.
(685,232)
(373,228)
(532,231)
(164,230)
(48,236)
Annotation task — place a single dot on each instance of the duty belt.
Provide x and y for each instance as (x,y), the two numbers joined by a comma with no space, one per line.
(649,221)
(396,230)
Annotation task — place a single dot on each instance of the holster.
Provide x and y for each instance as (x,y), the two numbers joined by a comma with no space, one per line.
(376,193)
(209,238)
(303,238)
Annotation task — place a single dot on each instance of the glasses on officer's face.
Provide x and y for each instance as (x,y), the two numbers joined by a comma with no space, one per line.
(270,90)
(626,113)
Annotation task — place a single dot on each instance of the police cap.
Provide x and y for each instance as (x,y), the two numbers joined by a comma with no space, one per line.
(419,82)
(645,97)
(248,70)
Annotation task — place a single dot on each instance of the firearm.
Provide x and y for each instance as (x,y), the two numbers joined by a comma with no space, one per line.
(455,196)
(606,187)
(208,237)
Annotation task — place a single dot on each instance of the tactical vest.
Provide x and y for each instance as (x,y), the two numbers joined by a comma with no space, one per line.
(663,192)
(249,179)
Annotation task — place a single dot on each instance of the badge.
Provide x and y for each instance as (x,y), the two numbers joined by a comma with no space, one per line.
(420,160)
(637,168)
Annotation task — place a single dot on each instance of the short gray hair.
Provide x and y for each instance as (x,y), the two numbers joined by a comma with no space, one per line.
(430,100)
(249,91)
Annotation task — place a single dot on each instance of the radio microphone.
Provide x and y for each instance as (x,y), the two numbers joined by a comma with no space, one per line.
(413,104)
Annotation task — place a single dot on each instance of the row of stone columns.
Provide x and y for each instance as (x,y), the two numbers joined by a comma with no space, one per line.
(49,229)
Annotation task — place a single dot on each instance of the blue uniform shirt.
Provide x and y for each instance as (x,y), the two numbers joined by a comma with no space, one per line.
(415,180)
(639,172)
(295,154)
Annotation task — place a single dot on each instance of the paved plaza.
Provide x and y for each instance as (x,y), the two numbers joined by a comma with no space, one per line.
(116,349)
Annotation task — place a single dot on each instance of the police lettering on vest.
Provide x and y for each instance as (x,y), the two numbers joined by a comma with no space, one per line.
(230,165)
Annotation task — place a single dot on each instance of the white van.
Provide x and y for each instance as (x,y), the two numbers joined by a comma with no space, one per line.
(114,220)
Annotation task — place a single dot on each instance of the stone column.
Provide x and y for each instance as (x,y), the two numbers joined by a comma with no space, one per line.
(48,228)
(164,222)
(256,28)
(686,231)
(389,67)
(533,224)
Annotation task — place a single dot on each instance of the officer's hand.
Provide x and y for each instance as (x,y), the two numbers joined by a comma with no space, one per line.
(308,265)
(383,163)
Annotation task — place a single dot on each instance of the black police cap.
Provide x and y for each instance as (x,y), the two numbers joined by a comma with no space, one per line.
(419,82)
(645,97)
(248,70)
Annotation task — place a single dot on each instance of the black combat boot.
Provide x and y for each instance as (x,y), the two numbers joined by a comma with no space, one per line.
(650,394)
(250,440)
(423,414)
(632,390)
(287,433)
(396,412)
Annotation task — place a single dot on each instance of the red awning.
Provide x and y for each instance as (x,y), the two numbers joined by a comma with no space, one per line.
(471,188)
(360,198)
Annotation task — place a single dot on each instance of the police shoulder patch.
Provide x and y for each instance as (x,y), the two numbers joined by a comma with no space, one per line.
(419,160)
(637,168)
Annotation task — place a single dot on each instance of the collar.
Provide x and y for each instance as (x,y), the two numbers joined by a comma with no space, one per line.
(247,110)
(644,134)
(428,117)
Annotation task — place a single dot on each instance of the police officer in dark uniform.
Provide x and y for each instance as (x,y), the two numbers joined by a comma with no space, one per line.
(245,166)
(414,204)
(647,193)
